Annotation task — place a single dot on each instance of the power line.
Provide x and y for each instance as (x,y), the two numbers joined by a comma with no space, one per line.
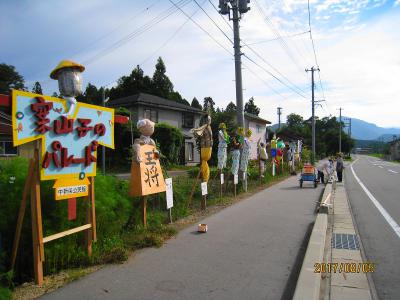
(255,52)
(212,20)
(274,39)
(267,71)
(276,32)
(147,26)
(313,47)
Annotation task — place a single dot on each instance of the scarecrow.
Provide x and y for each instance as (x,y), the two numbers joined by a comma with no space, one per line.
(237,143)
(223,141)
(204,132)
(244,161)
(68,74)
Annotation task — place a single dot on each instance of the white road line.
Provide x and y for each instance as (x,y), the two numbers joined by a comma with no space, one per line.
(382,210)
(393,171)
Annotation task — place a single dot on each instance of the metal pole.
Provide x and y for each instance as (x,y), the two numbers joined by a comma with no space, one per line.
(279,117)
(103,152)
(340,132)
(313,117)
(238,64)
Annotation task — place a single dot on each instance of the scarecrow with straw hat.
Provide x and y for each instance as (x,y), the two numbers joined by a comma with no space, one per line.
(244,161)
(68,74)
(223,140)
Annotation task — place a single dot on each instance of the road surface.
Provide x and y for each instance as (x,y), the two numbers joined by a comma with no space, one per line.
(376,209)
(253,250)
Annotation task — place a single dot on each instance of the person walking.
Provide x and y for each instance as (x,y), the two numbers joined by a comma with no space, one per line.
(323,167)
(339,167)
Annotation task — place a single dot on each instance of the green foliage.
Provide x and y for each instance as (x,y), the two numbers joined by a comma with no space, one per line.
(231,108)
(170,141)
(37,88)
(327,134)
(92,95)
(5,293)
(251,108)
(10,79)
(209,105)
(162,85)
(196,103)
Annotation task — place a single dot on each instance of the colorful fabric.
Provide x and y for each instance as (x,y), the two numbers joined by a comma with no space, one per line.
(245,155)
(222,157)
(235,161)
(205,155)
(273,152)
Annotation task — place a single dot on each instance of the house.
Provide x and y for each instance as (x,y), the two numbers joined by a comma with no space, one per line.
(159,110)
(6,145)
(258,127)
(394,148)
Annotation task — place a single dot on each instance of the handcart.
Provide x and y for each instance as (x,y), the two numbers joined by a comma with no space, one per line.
(308,173)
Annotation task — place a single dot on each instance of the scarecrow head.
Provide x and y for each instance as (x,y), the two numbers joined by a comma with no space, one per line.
(68,74)
(146,127)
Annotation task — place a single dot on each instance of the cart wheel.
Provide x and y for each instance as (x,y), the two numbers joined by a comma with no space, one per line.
(301,183)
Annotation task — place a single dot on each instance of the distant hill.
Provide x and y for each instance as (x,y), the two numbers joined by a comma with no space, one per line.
(362,130)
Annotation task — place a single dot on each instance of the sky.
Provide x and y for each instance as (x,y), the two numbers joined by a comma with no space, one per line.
(357,46)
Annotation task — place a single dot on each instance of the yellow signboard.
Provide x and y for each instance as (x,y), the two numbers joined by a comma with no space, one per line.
(146,176)
(71,188)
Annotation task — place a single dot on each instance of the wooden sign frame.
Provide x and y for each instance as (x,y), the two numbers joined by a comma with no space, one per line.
(32,185)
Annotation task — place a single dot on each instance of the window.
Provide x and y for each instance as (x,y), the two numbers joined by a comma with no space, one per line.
(7,149)
(258,128)
(189,151)
(150,114)
(187,120)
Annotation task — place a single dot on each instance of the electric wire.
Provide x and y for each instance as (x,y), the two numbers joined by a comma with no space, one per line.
(142,29)
(274,39)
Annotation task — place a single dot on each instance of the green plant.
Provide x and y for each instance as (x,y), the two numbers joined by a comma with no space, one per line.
(170,141)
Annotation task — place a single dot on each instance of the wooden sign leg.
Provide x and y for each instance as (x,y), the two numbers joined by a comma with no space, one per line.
(193,188)
(91,233)
(203,202)
(144,210)
(37,232)
(21,213)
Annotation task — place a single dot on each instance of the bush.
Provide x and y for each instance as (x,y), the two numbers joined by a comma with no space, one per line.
(170,141)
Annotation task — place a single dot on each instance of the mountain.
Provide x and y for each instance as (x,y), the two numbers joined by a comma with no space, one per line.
(362,130)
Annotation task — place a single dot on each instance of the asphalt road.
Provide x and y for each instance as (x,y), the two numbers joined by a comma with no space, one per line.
(379,238)
(252,250)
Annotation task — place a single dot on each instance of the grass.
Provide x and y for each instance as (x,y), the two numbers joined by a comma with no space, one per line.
(5,293)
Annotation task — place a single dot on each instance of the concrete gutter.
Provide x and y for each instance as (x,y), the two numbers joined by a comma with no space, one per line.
(309,283)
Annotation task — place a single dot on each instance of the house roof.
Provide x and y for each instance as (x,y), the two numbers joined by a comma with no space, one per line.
(255,118)
(154,101)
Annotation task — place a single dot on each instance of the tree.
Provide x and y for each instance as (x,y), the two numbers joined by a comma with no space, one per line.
(10,79)
(294,121)
(37,88)
(251,108)
(208,104)
(162,85)
(196,103)
(231,107)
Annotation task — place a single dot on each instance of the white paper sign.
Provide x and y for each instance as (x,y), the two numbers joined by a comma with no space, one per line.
(169,193)
(222,178)
(235,179)
(204,188)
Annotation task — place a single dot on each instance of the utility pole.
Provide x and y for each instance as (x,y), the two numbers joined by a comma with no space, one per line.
(237,7)
(340,132)
(312,70)
(279,117)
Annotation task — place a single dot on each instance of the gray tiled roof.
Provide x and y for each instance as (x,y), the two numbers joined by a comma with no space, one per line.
(151,100)
(255,118)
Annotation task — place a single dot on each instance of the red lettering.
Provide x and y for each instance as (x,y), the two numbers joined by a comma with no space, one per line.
(41,109)
(63,126)
(100,129)
(83,129)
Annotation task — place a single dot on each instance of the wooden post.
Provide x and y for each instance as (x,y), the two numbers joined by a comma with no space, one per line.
(203,202)
(144,210)
(91,233)
(170,215)
(234,189)
(21,213)
(193,188)
(36,216)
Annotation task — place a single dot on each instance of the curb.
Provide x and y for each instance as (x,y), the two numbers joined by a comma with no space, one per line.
(309,282)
